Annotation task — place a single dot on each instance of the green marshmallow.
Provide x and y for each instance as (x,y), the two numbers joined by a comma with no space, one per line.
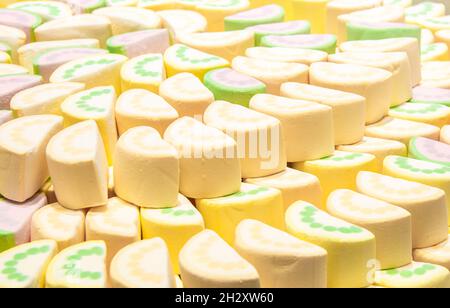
(262,15)
(357,31)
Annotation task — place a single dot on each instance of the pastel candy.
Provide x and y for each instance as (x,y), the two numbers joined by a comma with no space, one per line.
(143,72)
(322,42)
(427,95)
(144,264)
(252,202)
(12,38)
(85,6)
(430,150)
(347,129)
(187,94)
(78,166)
(380,148)
(350,248)
(121,3)
(426,37)
(267,14)
(140,107)
(314,11)
(4,57)
(216,10)
(272,73)
(436,24)
(94,104)
(22,20)
(436,74)
(338,171)
(93,71)
(22,143)
(11,69)
(390,224)
(402,3)
(442,36)
(146,169)
(231,86)
(57,223)
(294,185)
(174,225)
(426,9)
(401,130)
(156,5)
(24,266)
(5,116)
(434,114)
(439,254)
(47,10)
(266,247)
(12,84)
(75,27)
(209,166)
(414,275)
(79,266)
(434,52)
(372,83)
(182,21)
(445,134)
(367,30)
(15,220)
(44,98)
(133,44)
(260,145)
(282,54)
(280,28)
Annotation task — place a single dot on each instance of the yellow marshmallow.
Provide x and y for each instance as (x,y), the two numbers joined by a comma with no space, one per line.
(216,10)
(283,54)
(12,69)
(4,57)
(315,11)
(433,114)
(436,74)
(14,38)
(439,254)
(182,21)
(156,5)
(445,134)
(434,52)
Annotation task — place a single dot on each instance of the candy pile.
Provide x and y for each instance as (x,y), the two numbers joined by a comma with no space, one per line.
(224,143)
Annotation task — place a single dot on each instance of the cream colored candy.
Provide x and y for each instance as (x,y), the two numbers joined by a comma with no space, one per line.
(182,21)
(350,248)
(434,52)
(143,72)
(260,144)
(304,264)
(422,11)
(139,107)
(12,83)
(209,166)
(156,5)
(146,169)
(439,254)
(445,134)
(145,264)
(5,116)
(426,37)
(307,126)
(436,74)
(272,73)
(47,10)
(216,10)
(13,38)
(57,223)
(22,143)
(206,261)
(348,109)
(121,3)
(5,57)
(443,36)
(12,69)
(78,166)
(433,114)
(282,54)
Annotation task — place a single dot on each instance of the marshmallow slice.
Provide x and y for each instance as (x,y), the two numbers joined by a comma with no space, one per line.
(436,74)
(434,52)
(11,39)
(417,13)
(266,14)
(182,21)
(215,11)
(439,254)
(143,72)
(5,116)
(12,84)
(280,28)
(282,54)
(47,10)
(322,42)
(133,44)
(445,134)
(427,95)
(22,20)
(433,114)
(12,69)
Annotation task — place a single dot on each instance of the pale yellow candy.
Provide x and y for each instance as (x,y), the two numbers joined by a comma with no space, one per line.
(427,37)
(143,72)
(372,83)
(307,126)
(216,10)
(182,21)
(57,223)
(349,109)
(434,52)
(416,14)
(47,10)
(445,134)
(43,99)
(380,148)
(5,116)
(121,3)
(174,225)
(435,24)
(139,107)
(350,249)
(12,69)
(156,5)
(206,261)
(145,264)
(315,11)
(443,36)
(338,171)
(79,266)
(304,264)
(209,166)
(94,104)
(272,73)
(282,54)
(436,74)
(29,270)
(433,114)
(78,166)
(22,143)
(4,57)
(146,169)
(439,254)
(14,38)
(401,130)
(260,144)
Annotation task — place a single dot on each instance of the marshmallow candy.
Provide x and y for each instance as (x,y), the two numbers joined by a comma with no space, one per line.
(207,261)
(272,73)
(422,11)
(443,36)
(314,11)
(5,116)
(78,266)
(15,220)
(22,144)
(133,44)
(94,71)
(11,84)
(12,69)
(22,20)
(143,72)
(426,37)
(11,39)
(62,225)
(216,10)
(24,266)
(47,10)
(280,28)
(84,6)
(426,95)
(145,264)
(267,14)
(232,86)
(282,54)
(350,248)
(121,3)
(390,224)
(304,264)
(187,94)
(4,57)
(339,170)
(434,114)
(307,126)
(434,52)
(439,254)
(182,21)
(139,107)
(260,144)
(209,166)
(401,130)
(445,134)
(75,27)
(43,99)
(174,225)
(436,74)
(146,169)
(78,166)
(372,83)
(156,5)
(252,202)
(322,42)
(367,30)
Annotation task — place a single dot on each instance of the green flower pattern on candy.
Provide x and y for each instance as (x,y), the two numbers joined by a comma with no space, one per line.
(181,54)
(85,104)
(139,67)
(177,213)
(428,109)
(403,163)
(51,9)
(420,271)
(251,192)
(10,269)
(71,268)
(229,3)
(425,9)
(69,73)
(350,156)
